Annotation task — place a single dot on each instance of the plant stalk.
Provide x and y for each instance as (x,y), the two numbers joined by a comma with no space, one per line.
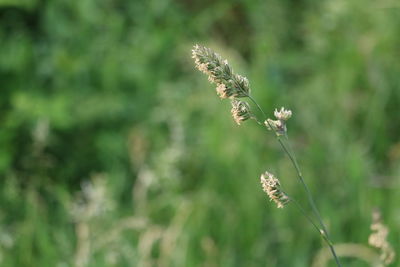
(310,198)
(311,201)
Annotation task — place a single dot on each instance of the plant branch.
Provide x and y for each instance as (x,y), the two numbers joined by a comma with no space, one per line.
(310,198)
(311,201)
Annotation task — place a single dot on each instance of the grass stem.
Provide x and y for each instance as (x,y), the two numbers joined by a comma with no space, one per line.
(311,201)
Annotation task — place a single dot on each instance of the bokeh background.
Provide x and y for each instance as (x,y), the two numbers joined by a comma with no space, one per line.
(115,151)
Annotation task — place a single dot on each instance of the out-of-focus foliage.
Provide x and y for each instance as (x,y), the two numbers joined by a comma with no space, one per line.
(116,152)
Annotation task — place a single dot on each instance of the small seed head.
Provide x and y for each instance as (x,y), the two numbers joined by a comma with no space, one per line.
(283,114)
(219,72)
(203,67)
(378,239)
(272,187)
(240,111)
(242,85)
(278,126)
(223,91)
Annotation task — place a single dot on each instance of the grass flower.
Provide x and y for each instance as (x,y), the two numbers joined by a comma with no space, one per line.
(224,92)
(240,111)
(378,239)
(276,125)
(283,114)
(220,73)
(279,125)
(272,187)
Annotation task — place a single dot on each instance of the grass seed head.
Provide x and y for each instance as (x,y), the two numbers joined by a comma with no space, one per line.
(279,125)
(272,187)
(378,239)
(220,73)
(240,111)
(283,114)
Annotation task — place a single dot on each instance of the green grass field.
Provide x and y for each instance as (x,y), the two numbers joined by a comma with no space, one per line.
(116,151)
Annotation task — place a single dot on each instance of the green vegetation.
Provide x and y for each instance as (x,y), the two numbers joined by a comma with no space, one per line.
(115,151)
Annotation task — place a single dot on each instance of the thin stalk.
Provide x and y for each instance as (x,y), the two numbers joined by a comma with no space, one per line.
(257,105)
(292,158)
(310,198)
(320,231)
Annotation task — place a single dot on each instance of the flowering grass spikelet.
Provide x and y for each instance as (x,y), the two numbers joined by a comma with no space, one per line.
(276,125)
(272,187)
(223,91)
(279,125)
(220,73)
(378,239)
(282,114)
(240,111)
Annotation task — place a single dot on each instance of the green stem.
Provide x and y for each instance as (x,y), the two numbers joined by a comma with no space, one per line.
(296,166)
(257,105)
(321,232)
(292,158)
(310,198)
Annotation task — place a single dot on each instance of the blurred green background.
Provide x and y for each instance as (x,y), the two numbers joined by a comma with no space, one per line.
(115,151)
